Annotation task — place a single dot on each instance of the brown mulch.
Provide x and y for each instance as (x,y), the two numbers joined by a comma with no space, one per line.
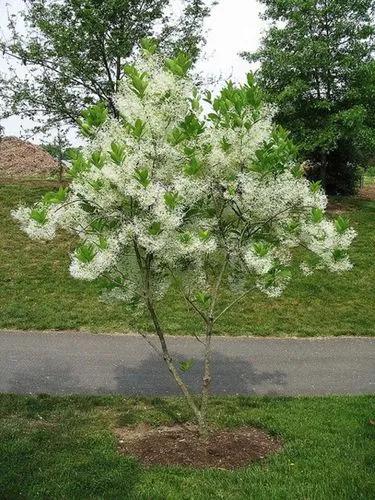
(367,192)
(19,158)
(337,208)
(182,445)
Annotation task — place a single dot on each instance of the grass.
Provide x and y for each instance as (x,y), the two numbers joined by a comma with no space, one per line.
(369,176)
(37,292)
(63,447)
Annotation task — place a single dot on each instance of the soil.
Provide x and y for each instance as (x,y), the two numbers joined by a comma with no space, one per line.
(19,158)
(182,445)
(337,208)
(367,192)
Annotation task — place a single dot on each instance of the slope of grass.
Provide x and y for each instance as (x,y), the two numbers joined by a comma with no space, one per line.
(37,292)
(53,447)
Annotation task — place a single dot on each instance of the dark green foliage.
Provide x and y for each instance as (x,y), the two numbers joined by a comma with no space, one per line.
(317,68)
(342,175)
(76,52)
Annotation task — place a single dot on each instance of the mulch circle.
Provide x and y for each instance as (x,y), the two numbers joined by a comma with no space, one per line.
(182,445)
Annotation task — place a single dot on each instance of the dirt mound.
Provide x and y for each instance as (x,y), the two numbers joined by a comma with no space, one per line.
(182,445)
(20,158)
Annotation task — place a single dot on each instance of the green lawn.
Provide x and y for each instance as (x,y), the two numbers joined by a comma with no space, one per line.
(63,447)
(37,292)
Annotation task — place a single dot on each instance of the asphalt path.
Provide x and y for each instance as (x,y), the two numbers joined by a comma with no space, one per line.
(84,363)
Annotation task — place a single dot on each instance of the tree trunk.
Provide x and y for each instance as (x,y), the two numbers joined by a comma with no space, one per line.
(146,269)
(169,362)
(206,385)
(323,169)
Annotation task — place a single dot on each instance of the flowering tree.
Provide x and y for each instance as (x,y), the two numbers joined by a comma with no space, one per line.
(195,196)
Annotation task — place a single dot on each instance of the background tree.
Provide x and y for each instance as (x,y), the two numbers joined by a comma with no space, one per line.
(76,50)
(316,66)
(59,147)
(168,195)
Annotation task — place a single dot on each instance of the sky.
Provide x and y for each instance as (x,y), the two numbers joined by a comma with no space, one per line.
(229,31)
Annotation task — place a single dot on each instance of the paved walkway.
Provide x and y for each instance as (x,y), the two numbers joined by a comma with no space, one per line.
(63,363)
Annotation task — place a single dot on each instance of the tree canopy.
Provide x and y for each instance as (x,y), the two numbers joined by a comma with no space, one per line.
(175,194)
(75,51)
(316,65)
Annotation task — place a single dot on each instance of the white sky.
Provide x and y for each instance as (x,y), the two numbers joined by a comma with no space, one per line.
(230,31)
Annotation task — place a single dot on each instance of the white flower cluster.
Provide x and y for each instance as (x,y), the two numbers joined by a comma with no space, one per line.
(175,189)
(324,240)
(45,230)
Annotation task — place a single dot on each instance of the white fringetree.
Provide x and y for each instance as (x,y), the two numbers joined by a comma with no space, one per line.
(195,196)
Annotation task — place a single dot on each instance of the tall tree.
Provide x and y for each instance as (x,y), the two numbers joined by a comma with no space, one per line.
(313,57)
(75,51)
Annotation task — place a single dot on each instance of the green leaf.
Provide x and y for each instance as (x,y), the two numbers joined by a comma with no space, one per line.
(175,137)
(191,126)
(85,252)
(185,237)
(138,81)
(149,45)
(142,175)
(155,228)
(317,215)
(213,117)
(315,187)
(293,226)
(342,224)
(208,97)
(195,104)
(117,153)
(97,159)
(138,128)
(225,145)
(171,199)
(297,171)
(193,167)
(186,365)
(204,234)
(275,275)
(339,254)
(179,65)
(96,184)
(276,155)
(203,298)
(55,196)
(78,166)
(93,117)
(39,215)
(261,248)
(98,225)
(103,243)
